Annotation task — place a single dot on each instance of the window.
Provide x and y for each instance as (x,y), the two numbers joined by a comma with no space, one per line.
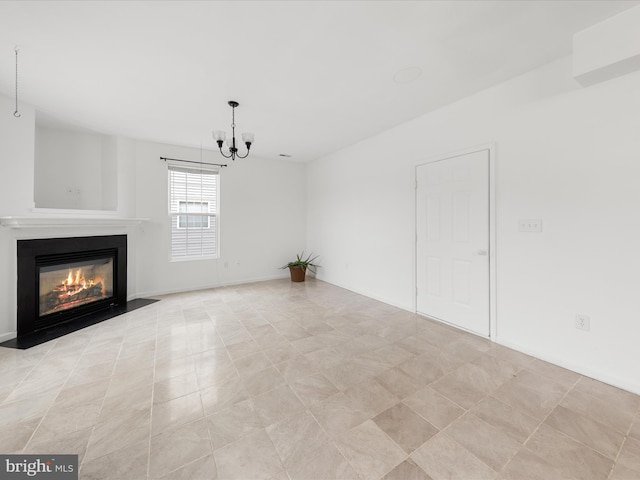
(193,208)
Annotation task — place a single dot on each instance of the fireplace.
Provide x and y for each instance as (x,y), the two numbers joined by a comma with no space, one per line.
(63,280)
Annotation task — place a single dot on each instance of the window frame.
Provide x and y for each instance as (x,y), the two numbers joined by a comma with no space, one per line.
(212,214)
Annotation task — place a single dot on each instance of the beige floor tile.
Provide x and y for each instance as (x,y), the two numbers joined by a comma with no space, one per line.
(67,420)
(573,459)
(398,382)
(89,373)
(488,443)
(251,457)
(422,370)
(175,387)
(136,399)
(223,395)
(271,340)
(282,353)
(215,374)
(518,359)
(126,463)
(620,472)
(313,389)
(243,349)
(175,448)
(297,439)
(407,470)
(634,431)
(528,466)
(277,405)
(630,454)
(263,381)
(369,451)
(435,408)
(392,354)
(348,373)
(598,436)
(327,464)
(74,443)
(415,344)
(291,330)
(617,398)
(465,386)
(598,409)
(174,367)
(227,425)
(371,341)
(553,372)
(311,344)
(124,382)
(531,394)
(337,414)
(511,421)
(370,397)
(16,435)
(296,368)
(32,388)
(119,430)
(442,457)
(466,348)
(181,410)
(201,469)
(251,364)
(405,427)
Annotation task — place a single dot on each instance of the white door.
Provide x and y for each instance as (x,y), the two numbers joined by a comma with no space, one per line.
(452,227)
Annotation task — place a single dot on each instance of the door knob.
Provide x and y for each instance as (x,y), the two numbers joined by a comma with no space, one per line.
(482,252)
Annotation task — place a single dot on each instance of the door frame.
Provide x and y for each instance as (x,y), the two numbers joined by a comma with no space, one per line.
(493,291)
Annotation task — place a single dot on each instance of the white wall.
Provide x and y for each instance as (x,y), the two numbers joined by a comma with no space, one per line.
(16,195)
(74,169)
(262,221)
(565,154)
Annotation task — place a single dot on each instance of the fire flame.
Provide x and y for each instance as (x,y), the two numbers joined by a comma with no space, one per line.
(74,284)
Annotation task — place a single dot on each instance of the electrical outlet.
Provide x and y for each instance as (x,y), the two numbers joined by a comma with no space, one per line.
(582,322)
(530,225)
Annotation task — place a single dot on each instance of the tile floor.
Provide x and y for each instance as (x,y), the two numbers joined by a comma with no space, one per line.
(286,381)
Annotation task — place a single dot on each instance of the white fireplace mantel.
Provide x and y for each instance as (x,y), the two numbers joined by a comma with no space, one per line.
(57,221)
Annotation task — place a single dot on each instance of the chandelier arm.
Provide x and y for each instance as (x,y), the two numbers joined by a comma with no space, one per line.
(225,156)
(241,156)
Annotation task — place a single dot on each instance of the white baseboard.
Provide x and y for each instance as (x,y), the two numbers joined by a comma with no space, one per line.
(156,293)
(605,377)
(368,295)
(8,336)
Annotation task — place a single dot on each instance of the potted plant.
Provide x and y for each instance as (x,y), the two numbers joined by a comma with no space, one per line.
(298,267)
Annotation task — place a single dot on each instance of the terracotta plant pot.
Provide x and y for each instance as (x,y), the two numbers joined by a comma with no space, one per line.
(297,273)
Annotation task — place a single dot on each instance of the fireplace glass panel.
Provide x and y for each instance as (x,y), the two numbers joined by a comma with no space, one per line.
(74,284)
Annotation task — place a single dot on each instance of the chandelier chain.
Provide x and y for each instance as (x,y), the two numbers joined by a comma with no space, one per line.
(16,113)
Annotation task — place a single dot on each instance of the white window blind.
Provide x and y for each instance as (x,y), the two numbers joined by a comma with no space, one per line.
(193,208)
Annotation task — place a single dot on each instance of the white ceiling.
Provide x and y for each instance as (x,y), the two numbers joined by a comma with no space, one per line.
(311,77)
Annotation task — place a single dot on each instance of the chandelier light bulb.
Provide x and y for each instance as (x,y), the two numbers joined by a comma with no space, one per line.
(219,135)
(247,138)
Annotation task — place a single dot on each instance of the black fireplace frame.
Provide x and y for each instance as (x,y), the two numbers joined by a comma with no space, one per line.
(41,252)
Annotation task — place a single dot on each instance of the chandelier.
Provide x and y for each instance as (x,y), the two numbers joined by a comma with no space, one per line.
(219,136)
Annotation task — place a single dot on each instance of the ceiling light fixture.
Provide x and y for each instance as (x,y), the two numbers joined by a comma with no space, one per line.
(219,136)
